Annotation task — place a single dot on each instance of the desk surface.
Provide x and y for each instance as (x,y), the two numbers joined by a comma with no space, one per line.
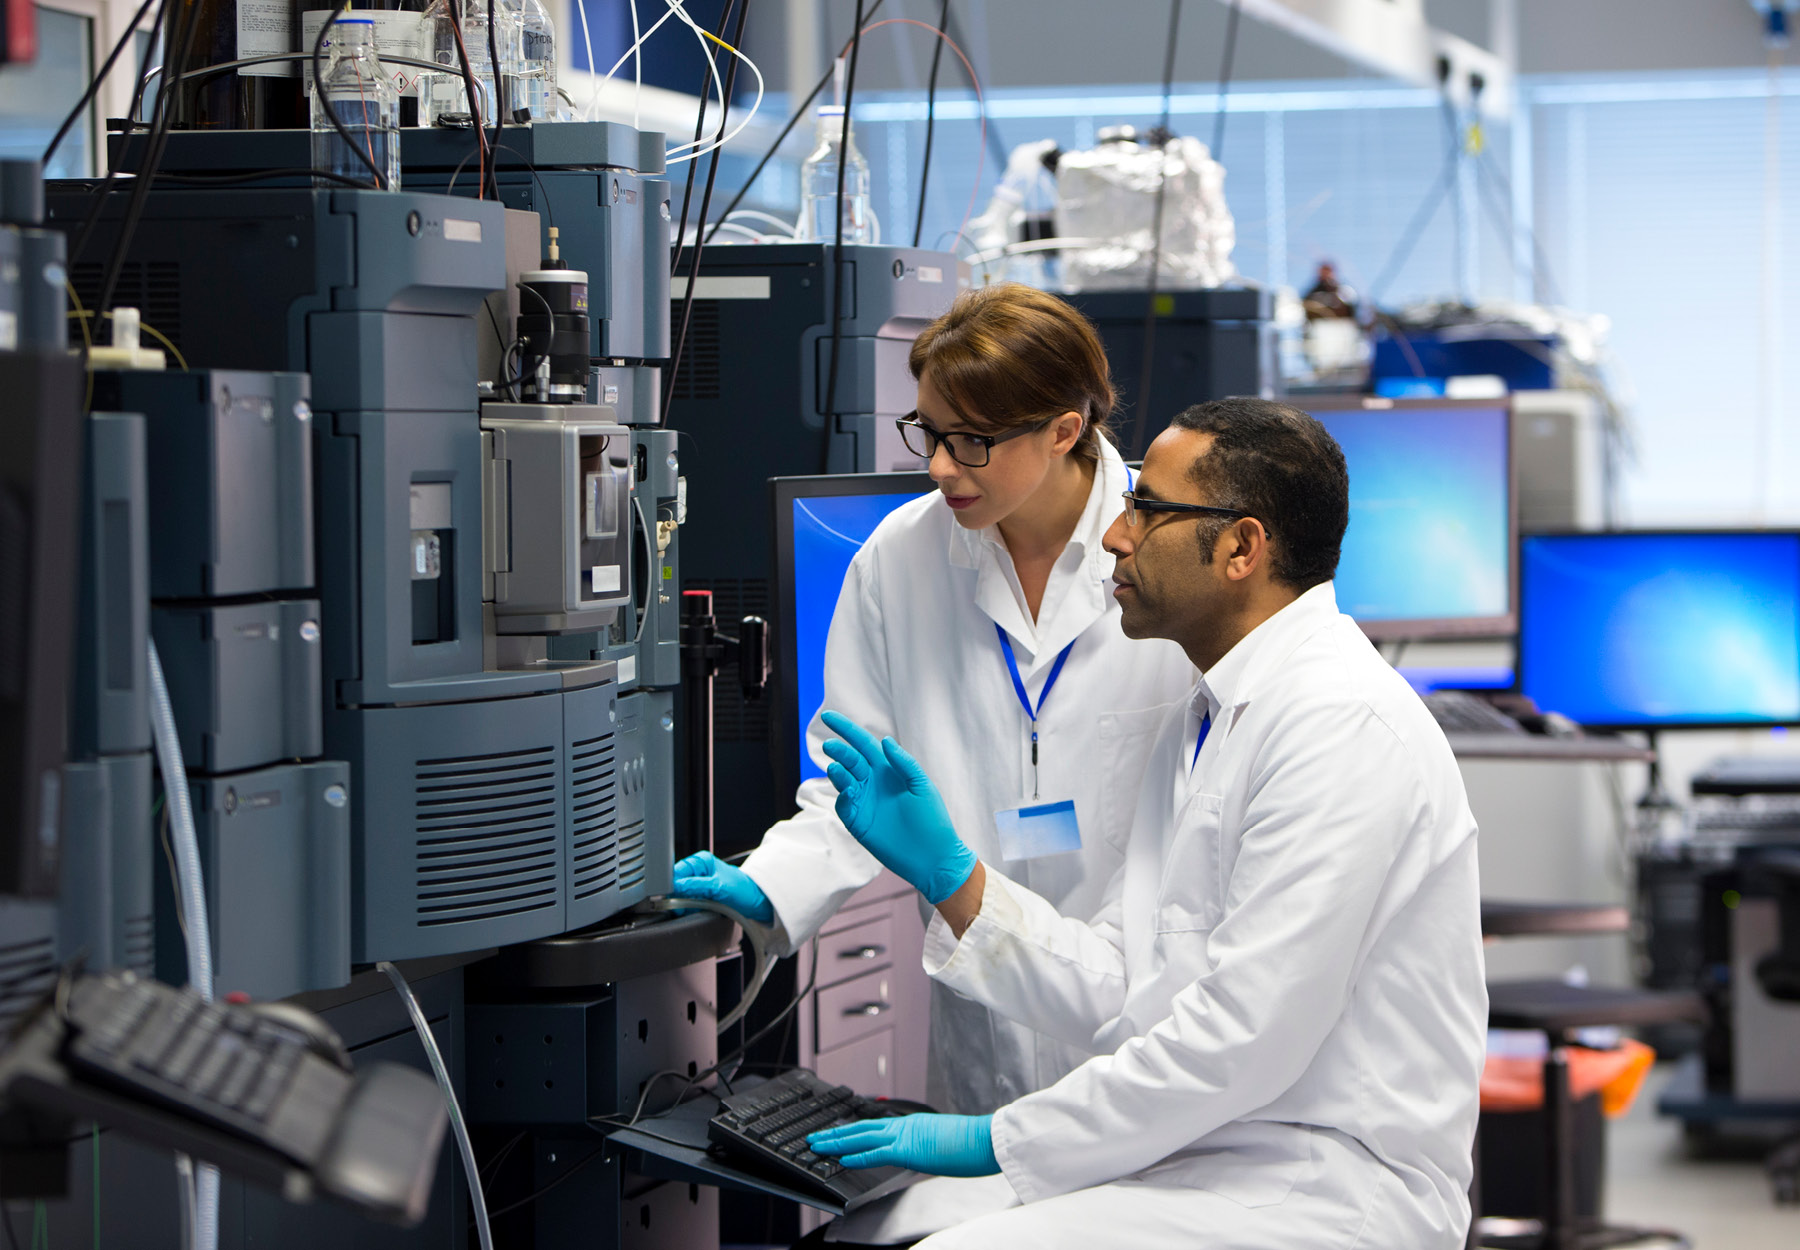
(1503,746)
(1505,918)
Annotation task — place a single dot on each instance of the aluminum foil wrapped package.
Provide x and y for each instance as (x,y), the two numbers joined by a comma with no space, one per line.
(1108,195)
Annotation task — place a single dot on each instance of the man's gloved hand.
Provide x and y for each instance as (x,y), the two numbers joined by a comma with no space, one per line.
(943,1145)
(890,806)
(704,875)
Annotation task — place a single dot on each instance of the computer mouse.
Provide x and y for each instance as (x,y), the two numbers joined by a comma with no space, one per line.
(320,1037)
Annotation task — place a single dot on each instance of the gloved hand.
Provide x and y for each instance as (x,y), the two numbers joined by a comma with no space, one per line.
(943,1145)
(704,875)
(889,805)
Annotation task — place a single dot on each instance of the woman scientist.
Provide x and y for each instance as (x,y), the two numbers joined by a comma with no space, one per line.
(977,626)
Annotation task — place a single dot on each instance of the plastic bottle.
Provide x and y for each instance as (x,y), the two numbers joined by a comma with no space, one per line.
(818,185)
(535,88)
(365,104)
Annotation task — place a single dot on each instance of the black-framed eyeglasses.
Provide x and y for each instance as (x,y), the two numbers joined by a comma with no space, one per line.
(972,450)
(1134,506)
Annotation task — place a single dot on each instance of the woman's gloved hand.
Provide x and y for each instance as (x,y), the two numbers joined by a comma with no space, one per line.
(704,875)
(943,1145)
(889,805)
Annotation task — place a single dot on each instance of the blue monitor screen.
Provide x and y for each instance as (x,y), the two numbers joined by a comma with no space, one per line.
(1662,629)
(828,532)
(1430,537)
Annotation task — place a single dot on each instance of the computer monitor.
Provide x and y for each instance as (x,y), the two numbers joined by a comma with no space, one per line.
(820,525)
(1429,551)
(1665,629)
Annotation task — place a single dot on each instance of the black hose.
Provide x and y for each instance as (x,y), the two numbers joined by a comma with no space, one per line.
(937,57)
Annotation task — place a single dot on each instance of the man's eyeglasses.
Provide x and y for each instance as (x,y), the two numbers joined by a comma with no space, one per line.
(972,450)
(1135,506)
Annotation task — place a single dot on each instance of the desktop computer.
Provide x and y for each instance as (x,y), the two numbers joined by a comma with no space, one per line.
(1433,514)
(1662,630)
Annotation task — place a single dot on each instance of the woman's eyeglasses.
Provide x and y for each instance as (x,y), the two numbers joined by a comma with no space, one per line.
(972,450)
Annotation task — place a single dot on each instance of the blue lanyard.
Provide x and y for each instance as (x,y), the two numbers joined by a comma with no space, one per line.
(1205,728)
(1012,666)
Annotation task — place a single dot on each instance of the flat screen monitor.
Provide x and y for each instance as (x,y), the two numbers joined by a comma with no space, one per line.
(820,525)
(1429,551)
(1653,630)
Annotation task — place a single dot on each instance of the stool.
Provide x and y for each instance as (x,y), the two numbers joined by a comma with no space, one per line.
(1558,1009)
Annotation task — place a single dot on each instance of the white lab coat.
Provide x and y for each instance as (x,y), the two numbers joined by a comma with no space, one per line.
(912,652)
(1285,985)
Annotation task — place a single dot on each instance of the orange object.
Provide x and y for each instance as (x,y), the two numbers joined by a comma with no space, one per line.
(1511,1084)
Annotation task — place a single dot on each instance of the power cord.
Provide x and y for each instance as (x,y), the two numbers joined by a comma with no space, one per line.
(712,172)
(804,108)
(1141,419)
(937,57)
(828,406)
(463,1145)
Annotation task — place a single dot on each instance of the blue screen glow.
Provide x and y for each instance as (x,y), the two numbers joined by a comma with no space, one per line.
(1430,534)
(828,532)
(1662,629)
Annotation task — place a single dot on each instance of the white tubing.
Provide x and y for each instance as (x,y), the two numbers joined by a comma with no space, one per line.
(463,1145)
(193,908)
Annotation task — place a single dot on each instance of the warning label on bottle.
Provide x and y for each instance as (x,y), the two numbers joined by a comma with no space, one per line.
(265,28)
(397,33)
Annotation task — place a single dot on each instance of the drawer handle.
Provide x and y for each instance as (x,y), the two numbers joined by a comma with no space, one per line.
(867,1009)
(863,952)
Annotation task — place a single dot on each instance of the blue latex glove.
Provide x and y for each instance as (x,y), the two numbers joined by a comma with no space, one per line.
(943,1145)
(704,875)
(889,805)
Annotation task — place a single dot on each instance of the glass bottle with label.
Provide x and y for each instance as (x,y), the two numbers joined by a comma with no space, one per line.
(254,97)
(536,87)
(366,106)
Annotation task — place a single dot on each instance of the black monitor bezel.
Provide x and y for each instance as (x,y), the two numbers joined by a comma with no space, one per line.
(1642,726)
(1425,629)
(785,724)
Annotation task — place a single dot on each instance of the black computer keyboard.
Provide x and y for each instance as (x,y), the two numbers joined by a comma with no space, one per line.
(766,1128)
(1459,712)
(224,1065)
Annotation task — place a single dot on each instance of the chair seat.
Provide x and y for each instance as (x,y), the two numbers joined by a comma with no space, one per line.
(1556,1007)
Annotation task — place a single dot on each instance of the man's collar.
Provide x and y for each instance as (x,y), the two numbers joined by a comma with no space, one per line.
(1233,680)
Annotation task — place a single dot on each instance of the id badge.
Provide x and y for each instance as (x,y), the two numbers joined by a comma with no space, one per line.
(1039,830)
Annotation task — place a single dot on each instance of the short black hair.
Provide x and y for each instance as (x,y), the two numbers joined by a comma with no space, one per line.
(1282,467)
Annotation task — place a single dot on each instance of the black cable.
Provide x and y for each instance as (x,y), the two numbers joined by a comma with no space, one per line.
(473,90)
(788,129)
(1140,423)
(80,241)
(153,153)
(232,180)
(500,100)
(93,87)
(549,213)
(500,1156)
(829,406)
(712,172)
(324,98)
(997,145)
(1231,36)
(937,57)
(1409,237)
(693,164)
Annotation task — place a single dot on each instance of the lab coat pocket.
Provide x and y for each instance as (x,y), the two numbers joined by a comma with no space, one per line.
(1126,739)
(1190,898)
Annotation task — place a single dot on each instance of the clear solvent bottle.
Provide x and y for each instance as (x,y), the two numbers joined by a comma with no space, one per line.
(366,106)
(819,185)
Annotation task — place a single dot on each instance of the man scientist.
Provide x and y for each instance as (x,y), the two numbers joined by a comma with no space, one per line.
(1283,988)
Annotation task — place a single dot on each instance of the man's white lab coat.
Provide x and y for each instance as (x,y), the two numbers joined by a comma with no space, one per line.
(1285,985)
